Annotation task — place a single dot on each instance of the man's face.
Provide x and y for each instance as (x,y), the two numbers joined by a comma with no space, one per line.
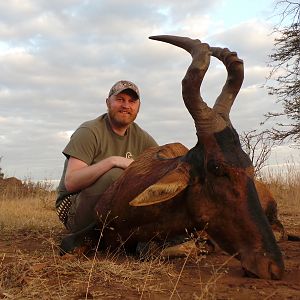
(122,108)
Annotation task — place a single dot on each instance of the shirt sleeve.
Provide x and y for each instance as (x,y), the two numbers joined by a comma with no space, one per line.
(82,145)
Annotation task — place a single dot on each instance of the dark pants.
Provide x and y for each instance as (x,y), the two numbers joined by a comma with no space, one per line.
(81,213)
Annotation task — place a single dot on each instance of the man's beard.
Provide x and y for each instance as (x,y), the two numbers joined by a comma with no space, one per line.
(121,119)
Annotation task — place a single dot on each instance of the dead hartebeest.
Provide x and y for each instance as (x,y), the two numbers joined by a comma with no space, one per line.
(169,190)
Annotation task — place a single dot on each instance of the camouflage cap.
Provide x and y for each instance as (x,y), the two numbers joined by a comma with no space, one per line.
(122,85)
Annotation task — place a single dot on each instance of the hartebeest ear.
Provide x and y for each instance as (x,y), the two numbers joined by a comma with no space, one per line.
(166,188)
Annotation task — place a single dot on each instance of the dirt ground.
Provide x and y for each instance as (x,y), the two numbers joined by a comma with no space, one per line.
(33,270)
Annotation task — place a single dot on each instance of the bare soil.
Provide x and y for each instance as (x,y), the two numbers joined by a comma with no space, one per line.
(32,269)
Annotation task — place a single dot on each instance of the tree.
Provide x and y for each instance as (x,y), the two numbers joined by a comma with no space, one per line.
(285,63)
(1,173)
(258,146)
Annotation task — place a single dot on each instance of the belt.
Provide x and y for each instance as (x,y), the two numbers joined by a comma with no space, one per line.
(64,207)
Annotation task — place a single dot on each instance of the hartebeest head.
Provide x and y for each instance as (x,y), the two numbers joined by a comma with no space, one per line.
(219,188)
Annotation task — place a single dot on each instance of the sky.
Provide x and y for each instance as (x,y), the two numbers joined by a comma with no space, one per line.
(59,59)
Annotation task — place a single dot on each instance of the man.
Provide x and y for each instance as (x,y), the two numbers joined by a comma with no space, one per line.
(97,153)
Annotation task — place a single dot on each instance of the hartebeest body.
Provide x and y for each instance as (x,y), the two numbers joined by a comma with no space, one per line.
(170,189)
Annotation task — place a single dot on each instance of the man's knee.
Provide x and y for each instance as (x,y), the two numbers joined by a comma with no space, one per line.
(110,176)
(103,182)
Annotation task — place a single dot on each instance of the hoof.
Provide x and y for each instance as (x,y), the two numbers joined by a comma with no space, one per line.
(74,240)
(68,244)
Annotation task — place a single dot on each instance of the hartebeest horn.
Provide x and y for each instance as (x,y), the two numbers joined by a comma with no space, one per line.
(207,119)
(235,71)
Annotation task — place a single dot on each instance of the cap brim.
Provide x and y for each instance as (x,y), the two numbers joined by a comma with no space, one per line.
(124,89)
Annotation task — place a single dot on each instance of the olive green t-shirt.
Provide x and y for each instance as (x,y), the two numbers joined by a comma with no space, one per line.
(94,141)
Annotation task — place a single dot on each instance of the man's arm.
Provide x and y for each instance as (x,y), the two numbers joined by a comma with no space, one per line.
(79,175)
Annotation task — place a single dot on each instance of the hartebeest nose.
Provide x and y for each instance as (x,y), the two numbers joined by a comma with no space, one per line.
(263,266)
(276,271)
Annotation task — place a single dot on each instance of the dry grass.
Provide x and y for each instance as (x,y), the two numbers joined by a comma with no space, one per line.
(45,275)
(27,206)
(31,268)
(68,277)
(285,187)
(27,214)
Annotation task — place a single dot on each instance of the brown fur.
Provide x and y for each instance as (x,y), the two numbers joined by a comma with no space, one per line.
(269,206)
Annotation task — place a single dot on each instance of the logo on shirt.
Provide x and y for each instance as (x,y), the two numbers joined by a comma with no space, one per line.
(128,155)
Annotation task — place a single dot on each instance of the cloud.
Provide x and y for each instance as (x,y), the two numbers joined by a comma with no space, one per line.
(251,39)
(60,58)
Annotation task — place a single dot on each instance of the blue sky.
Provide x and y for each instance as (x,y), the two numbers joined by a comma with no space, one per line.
(244,10)
(60,58)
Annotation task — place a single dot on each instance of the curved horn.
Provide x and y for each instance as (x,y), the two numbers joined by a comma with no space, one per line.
(206,119)
(235,77)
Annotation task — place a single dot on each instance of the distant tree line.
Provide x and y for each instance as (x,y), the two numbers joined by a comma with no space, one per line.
(1,173)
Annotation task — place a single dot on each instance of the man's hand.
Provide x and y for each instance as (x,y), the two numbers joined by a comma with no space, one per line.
(121,162)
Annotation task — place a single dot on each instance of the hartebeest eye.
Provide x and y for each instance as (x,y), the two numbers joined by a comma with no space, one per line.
(217,168)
